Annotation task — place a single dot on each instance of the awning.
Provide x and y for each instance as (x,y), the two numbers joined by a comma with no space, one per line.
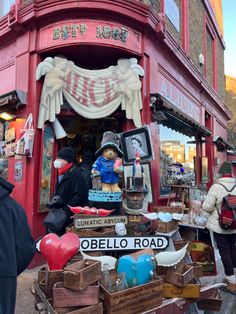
(221,144)
(170,116)
(13,99)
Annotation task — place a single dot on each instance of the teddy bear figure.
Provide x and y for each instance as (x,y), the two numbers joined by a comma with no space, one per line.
(109,164)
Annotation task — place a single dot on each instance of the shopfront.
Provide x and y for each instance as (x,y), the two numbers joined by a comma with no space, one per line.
(182,116)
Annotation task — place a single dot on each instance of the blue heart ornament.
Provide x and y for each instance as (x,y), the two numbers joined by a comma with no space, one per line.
(137,271)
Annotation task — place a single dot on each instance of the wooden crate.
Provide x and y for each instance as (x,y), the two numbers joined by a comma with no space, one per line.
(166,227)
(197,269)
(47,278)
(133,300)
(40,299)
(63,297)
(80,275)
(168,209)
(91,309)
(191,291)
(180,276)
(212,303)
(179,244)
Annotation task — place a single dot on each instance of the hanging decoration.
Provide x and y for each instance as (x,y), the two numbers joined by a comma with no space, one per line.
(91,93)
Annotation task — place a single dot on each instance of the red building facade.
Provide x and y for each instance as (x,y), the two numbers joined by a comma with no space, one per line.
(177,43)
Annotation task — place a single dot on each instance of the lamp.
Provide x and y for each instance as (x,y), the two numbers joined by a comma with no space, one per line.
(7,116)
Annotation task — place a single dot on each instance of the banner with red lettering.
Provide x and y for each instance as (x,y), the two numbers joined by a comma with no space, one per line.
(91,93)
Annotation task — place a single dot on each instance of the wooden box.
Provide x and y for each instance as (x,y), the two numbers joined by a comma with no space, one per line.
(168,209)
(179,244)
(212,303)
(180,276)
(191,291)
(91,309)
(47,278)
(63,297)
(80,275)
(197,270)
(166,227)
(133,300)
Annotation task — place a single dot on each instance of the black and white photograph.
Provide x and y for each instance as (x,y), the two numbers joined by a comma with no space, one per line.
(137,142)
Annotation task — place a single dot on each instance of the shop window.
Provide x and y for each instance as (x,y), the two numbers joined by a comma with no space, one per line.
(177,162)
(5,6)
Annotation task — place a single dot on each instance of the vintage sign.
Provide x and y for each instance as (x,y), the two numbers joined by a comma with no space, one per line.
(178,98)
(90,31)
(96,222)
(123,243)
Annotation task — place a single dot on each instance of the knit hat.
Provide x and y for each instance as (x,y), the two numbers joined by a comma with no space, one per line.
(225,168)
(110,140)
(66,154)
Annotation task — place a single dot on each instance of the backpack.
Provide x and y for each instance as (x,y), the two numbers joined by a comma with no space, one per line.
(227,215)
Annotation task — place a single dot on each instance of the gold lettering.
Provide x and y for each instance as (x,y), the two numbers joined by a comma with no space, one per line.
(56,33)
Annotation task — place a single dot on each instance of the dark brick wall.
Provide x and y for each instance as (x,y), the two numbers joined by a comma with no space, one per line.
(196,31)
(220,70)
(155,4)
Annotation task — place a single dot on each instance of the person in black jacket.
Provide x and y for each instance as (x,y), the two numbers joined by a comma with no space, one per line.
(71,187)
(17,247)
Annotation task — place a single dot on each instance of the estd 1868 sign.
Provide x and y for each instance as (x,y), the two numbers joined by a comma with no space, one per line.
(122,243)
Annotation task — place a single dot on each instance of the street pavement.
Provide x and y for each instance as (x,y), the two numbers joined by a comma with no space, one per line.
(25,299)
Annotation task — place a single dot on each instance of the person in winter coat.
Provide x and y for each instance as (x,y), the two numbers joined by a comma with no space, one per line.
(225,239)
(71,187)
(17,247)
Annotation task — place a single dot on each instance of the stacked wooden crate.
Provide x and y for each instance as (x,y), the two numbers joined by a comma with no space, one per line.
(75,289)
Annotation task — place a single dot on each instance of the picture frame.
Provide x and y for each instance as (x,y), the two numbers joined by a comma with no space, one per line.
(128,169)
(136,140)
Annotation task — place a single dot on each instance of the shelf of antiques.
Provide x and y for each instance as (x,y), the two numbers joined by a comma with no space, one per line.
(118,257)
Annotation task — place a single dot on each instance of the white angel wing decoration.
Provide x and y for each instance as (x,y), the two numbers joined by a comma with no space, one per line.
(170,258)
(110,260)
(44,67)
(136,67)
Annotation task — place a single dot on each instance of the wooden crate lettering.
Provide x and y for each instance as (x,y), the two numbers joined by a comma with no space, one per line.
(168,209)
(191,291)
(63,297)
(133,300)
(80,275)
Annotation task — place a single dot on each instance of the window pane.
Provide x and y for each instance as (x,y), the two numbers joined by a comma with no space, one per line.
(5,6)
(176,159)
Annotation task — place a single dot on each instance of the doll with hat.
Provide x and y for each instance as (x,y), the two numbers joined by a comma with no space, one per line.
(109,163)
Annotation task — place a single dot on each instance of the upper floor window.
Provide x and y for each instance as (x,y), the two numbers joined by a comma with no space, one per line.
(5,6)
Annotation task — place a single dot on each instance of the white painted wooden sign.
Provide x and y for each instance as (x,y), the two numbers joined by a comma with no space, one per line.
(96,222)
(123,243)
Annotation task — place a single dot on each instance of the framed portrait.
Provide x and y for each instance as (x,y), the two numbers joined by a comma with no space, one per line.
(128,170)
(137,141)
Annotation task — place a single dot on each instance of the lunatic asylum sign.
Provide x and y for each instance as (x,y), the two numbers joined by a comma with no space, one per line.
(123,243)
(97,222)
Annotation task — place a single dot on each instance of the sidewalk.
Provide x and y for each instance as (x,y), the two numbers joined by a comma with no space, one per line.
(25,299)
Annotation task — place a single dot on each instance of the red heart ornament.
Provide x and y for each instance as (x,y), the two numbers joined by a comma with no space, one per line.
(58,251)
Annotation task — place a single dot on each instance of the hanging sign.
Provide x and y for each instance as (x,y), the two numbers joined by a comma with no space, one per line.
(97,222)
(123,243)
